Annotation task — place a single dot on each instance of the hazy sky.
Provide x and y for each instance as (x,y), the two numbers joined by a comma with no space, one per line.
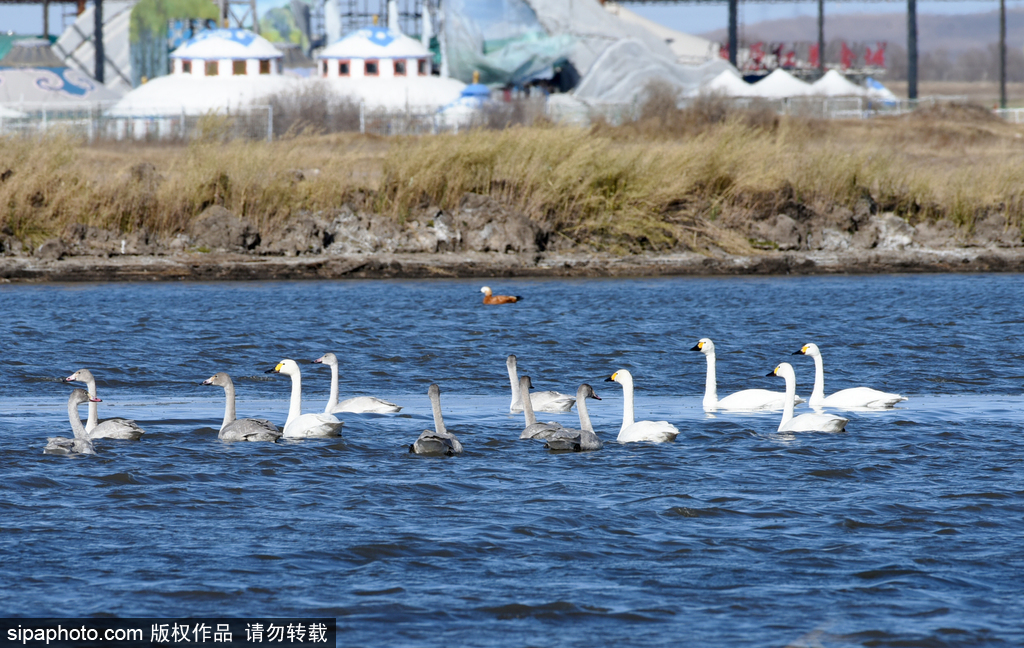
(28,19)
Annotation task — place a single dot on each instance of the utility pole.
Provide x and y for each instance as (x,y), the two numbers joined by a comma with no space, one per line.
(1002,54)
(733,30)
(911,49)
(821,37)
(97,38)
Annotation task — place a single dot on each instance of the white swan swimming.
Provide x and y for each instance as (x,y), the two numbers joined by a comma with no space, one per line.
(299,425)
(533,429)
(232,429)
(852,398)
(80,444)
(747,399)
(115,428)
(810,422)
(357,405)
(657,431)
(584,439)
(545,401)
(438,441)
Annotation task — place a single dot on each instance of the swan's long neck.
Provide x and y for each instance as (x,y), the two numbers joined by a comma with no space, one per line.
(513,378)
(581,409)
(76,422)
(295,406)
(229,405)
(711,383)
(435,405)
(94,412)
(627,404)
(531,418)
(818,394)
(787,412)
(332,402)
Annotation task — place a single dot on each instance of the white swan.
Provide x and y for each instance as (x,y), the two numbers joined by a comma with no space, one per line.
(809,422)
(630,431)
(747,399)
(438,441)
(357,405)
(852,398)
(80,444)
(299,425)
(545,401)
(583,439)
(533,429)
(232,429)
(115,428)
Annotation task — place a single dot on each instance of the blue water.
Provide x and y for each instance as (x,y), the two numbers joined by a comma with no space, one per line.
(906,530)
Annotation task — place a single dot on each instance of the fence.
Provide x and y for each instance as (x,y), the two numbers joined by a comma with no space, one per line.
(95,123)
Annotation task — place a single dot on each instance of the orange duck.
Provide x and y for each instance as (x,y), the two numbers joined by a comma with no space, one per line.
(498,299)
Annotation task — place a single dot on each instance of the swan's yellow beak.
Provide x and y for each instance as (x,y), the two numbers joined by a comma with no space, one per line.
(774,372)
(278,367)
(612,379)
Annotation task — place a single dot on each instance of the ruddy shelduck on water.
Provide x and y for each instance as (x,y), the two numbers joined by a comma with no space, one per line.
(498,299)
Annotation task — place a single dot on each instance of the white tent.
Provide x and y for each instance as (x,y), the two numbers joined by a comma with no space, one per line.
(728,83)
(834,84)
(688,49)
(878,91)
(781,85)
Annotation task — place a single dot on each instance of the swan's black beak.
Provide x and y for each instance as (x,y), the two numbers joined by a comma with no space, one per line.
(696,347)
(274,370)
(609,379)
(770,373)
(800,352)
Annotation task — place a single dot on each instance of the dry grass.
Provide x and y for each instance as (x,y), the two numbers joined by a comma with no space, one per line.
(661,183)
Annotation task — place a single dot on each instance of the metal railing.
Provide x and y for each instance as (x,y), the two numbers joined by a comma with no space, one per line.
(94,122)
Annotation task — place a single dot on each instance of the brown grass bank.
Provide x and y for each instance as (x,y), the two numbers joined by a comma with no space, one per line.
(675,179)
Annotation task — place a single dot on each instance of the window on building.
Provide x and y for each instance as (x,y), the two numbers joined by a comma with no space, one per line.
(399,68)
(372,68)
(421,67)
(238,67)
(186,67)
(343,68)
(211,68)
(264,66)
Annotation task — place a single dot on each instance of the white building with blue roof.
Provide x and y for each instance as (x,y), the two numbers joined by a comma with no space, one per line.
(384,68)
(219,70)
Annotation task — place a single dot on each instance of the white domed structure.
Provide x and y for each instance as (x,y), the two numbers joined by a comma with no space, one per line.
(375,52)
(217,70)
(223,52)
(384,68)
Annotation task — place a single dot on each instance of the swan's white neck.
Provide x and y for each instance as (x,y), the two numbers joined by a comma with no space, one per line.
(513,378)
(818,395)
(531,418)
(787,412)
(295,405)
(332,402)
(711,384)
(94,412)
(627,404)
(76,422)
(581,409)
(229,405)
(435,405)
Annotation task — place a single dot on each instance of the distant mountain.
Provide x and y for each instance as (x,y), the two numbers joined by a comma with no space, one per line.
(954,34)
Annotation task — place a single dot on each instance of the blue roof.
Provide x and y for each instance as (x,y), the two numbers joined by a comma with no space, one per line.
(476,90)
